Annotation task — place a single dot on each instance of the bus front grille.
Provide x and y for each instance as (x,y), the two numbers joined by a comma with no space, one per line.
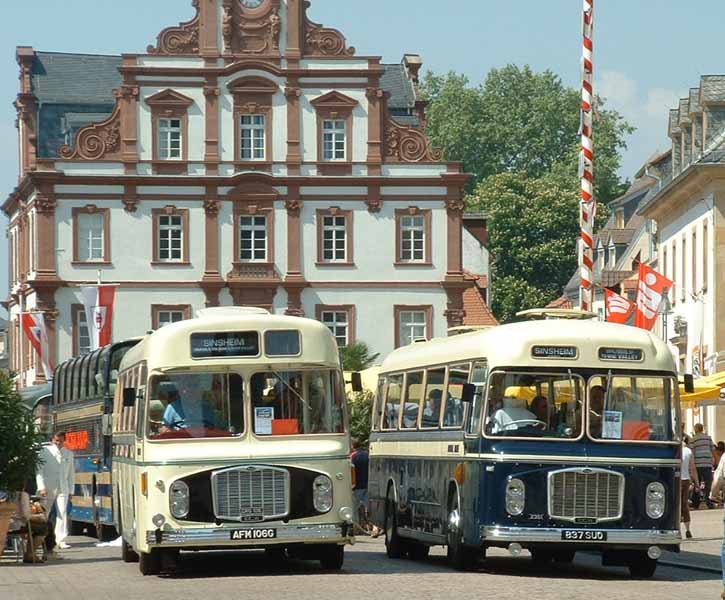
(250,494)
(586,496)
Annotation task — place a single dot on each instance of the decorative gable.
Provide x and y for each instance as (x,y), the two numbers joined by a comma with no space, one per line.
(169,100)
(334,101)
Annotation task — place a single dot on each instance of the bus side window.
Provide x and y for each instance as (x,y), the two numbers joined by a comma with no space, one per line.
(378,404)
(140,408)
(454,409)
(479,377)
(118,405)
(433,400)
(392,402)
(411,403)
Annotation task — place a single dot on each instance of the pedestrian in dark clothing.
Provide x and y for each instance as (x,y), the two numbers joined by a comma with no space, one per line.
(702,447)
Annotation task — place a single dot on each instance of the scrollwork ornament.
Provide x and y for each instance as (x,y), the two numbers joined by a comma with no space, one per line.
(407,144)
(293,205)
(211,206)
(181,39)
(455,205)
(374,205)
(130,204)
(45,204)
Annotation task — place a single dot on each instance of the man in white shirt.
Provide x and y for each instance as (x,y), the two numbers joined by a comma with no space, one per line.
(56,480)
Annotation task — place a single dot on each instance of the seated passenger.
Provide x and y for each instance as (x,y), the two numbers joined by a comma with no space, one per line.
(410,415)
(188,408)
(540,407)
(512,415)
(432,409)
(596,410)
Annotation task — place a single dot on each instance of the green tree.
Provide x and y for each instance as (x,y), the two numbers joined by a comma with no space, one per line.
(357,357)
(19,439)
(520,121)
(360,408)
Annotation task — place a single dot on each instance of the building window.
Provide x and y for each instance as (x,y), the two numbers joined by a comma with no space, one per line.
(253,129)
(334,139)
(683,273)
(612,256)
(81,332)
(334,237)
(169,139)
(340,320)
(675,279)
(253,238)
(705,256)
(412,323)
(163,315)
(694,261)
(413,233)
(171,235)
(91,235)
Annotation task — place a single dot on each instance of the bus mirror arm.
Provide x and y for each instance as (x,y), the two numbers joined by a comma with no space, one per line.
(129,397)
(468,392)
(356,382)
(689,384)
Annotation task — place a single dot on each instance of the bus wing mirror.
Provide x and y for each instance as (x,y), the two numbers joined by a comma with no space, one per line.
(469,391)
(689,384)
(129,397)
(356,382)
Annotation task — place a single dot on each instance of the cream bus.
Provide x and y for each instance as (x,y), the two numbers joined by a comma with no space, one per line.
(230,432)
(552,436)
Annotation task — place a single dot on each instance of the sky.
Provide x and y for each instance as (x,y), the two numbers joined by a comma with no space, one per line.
(647,54)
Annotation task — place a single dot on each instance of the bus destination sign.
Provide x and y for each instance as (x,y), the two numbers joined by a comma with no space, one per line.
(225,344)
(629,354)
(554,352)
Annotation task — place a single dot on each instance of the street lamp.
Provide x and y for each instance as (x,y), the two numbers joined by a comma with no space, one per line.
(665,310)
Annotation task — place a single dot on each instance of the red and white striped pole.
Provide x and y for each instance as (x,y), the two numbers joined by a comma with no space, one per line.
(588,202)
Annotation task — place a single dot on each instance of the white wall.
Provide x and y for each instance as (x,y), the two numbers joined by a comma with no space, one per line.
(475,254)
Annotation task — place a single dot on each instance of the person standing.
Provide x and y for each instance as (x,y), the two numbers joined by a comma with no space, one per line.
(702,447)
(688,474)
(56,480)
(360,462)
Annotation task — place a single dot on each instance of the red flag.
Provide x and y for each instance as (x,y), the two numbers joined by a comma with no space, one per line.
(653,287)
(34,327)
(98,301)
(619,309)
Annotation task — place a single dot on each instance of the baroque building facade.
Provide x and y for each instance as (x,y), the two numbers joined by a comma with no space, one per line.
(249,157)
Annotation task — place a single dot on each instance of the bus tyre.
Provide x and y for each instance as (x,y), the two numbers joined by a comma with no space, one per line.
(127,553)
(418,551)
(332,557)
(461,557)
(76,527)
(149,563)
(642,567)
(394,546)
(106,533)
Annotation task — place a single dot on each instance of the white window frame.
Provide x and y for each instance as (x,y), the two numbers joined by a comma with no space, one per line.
(165,233)
(416,224)
(408,331)
(331,319)
(334,140)
(91,242)
(254,127)
(166,317)
(337,233)
(84,333)
(612,256)
(256,232)
(167,142)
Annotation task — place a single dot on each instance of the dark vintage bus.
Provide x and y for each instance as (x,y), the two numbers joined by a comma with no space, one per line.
(551,436)
(82,405)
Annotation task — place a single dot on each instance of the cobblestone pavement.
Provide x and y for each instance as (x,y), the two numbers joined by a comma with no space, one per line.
(90,573)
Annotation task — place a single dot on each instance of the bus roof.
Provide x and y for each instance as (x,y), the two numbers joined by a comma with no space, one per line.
(170,346)
(509,345)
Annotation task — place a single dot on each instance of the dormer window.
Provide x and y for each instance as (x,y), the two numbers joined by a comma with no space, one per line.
(612,256)
(619,218)
(169,115)
(334,133)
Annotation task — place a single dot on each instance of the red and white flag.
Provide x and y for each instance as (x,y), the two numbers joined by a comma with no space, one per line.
(619,309)
(98,302)
(653,287)
(34,327)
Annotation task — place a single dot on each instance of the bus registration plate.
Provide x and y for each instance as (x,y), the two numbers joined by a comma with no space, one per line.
(253,534)
(583,535)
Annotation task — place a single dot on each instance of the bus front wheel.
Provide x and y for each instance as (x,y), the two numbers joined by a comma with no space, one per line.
(461,557)
(149,563)
(642,567)
(394,546)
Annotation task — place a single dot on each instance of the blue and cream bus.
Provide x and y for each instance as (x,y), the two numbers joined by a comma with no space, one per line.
(81,405)
(551,436)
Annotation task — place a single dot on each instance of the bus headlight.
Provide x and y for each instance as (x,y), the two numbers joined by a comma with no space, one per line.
(322,493)
(655,501)
(179,499)
(515,497)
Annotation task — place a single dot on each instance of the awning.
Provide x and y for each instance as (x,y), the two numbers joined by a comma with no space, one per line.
(716,379)
(704,392)
(32,396)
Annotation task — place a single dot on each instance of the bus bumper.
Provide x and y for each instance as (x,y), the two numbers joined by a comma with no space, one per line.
(540,535)
(326,533)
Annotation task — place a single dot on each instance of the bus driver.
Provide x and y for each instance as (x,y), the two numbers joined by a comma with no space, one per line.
(188,407)
(512,415)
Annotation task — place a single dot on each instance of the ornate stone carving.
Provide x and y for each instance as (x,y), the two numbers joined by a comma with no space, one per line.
(228,26)
(275,26)
(407,144)
(211,206)
(324,41)
(292,92)
(211,91)
(252,32)
(45,204)
(293,205)
(455,205)
(373,93)
(181,39)
(375,205)
(96,141)
(130,204)
(126,91)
